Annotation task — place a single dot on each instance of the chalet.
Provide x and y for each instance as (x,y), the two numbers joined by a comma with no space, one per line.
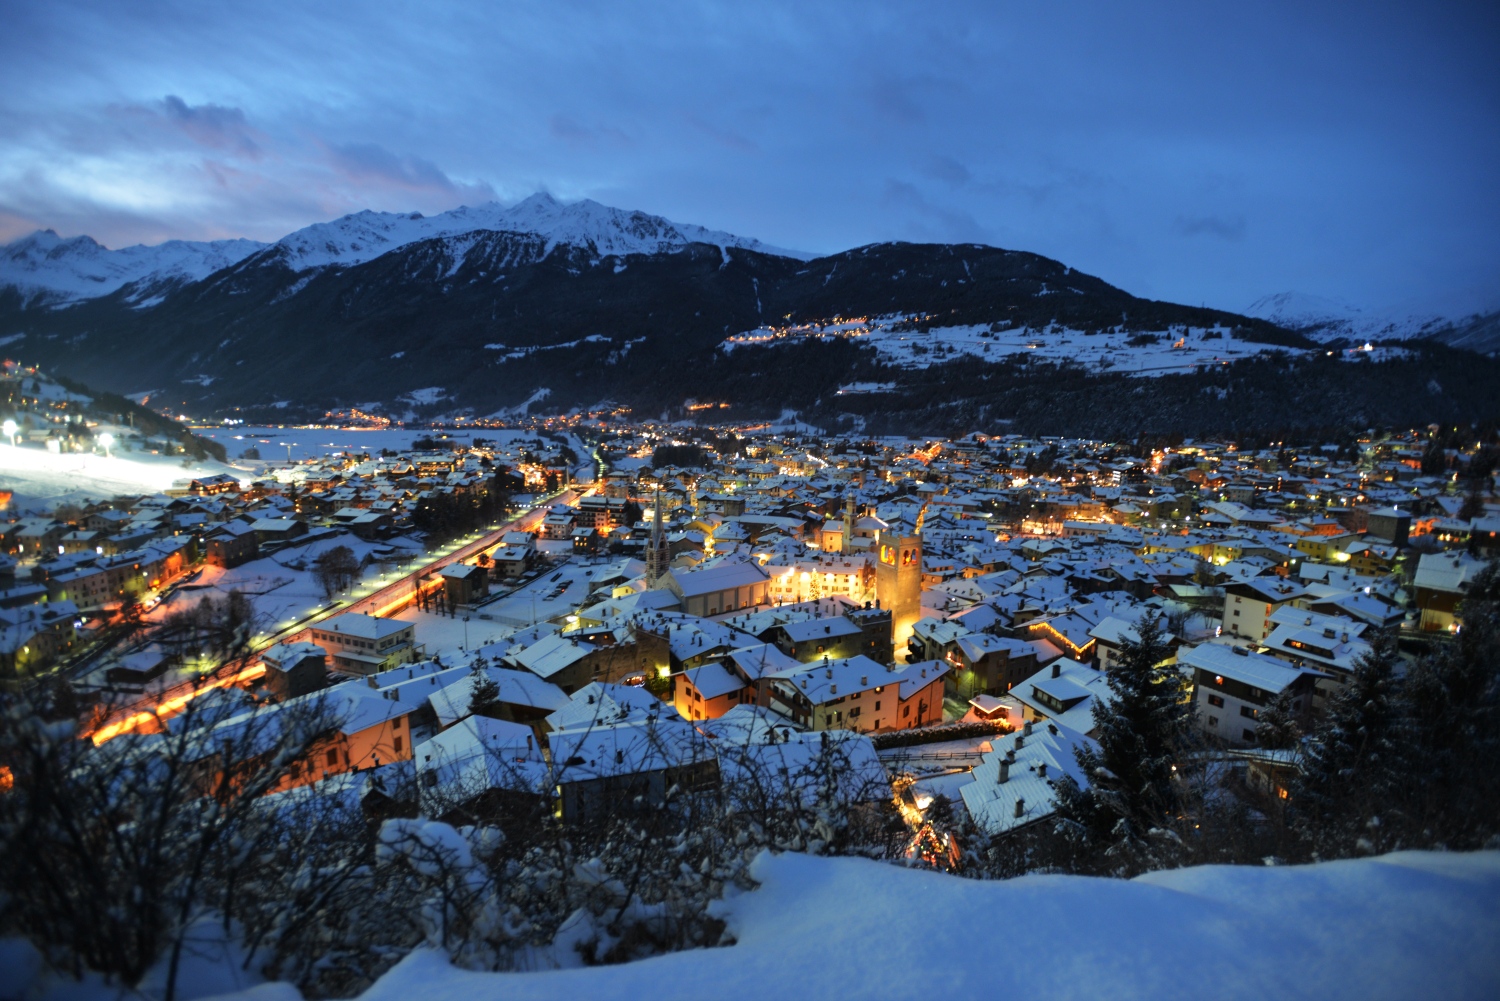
(1232,685)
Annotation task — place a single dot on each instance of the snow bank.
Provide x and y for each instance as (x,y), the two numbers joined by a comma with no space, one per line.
(1409,925)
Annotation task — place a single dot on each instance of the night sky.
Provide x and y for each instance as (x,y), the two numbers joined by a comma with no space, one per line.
(1199,152)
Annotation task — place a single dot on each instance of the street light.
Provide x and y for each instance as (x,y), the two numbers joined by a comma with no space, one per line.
(106,439)
(10,430)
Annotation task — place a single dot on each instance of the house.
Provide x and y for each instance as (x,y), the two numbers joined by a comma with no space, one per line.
(1113,633)
(364,644)
(231,544)
(1231,685)
(601,770)
(294,669)
(522,697)
(1331,644)
(1441,581)
(817,639)
(481,767)
(604,704)
(1015,783)
(860,694)
(709,692)
(1249,604)
(988,664)
(1064,692)
(464,583)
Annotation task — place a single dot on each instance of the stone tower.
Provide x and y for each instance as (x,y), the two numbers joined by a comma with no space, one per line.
(657,555)
(898,581)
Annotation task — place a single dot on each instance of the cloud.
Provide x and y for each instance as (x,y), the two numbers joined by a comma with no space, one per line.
(212,125)
(947,170)
(926,221)
(571,131)
(1231,229)
(369,164)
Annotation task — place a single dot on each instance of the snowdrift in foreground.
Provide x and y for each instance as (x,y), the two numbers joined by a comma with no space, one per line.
(1402,926)
(1409,925)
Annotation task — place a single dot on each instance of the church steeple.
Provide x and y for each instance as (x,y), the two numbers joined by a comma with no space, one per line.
(656,550)
(848,540)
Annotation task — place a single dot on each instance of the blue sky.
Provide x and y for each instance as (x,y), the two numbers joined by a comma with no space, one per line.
(1189,151)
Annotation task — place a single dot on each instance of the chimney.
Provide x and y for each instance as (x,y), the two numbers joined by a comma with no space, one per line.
(833,689)
(1027,728)
(1056,670)
(1020,807)
(1052,729)
(1041,770)
(1003,775)
(864,680)
(1020,742)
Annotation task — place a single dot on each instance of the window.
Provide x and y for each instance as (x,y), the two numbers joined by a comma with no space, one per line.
(1248,711)
(333,756)
(1217,701)
(1249,735)
(877,705)
(906,710)
(397,744)
(396,723)
(1213,721)
(1236,613)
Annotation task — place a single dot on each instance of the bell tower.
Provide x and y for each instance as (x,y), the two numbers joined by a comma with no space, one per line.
(898,581)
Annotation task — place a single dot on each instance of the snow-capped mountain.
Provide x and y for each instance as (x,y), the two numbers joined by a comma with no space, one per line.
(47,269)
(606,231)
(1458,317)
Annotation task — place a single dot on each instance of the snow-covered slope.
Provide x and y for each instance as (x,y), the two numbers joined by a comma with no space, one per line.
(57,270)
(1402,926)
(47,269)
(1331,319)
(606,231)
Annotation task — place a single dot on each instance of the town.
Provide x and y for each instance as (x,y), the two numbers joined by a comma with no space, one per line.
(928,601)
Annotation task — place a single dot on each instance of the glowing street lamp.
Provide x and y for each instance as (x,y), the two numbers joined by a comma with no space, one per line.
(10,430)
(106,439)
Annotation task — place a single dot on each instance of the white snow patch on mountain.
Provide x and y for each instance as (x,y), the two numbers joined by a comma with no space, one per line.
(44,265)
(1181,349)
(606,231)
(1328,319)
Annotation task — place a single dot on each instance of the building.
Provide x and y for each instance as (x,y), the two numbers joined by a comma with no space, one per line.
(1441,581)
(859,694)
(1064,692)
(898,581)
(465,583)
(709,692)
(364,644)
(727,587)
(1249,605)
(1231,686)
(294,669)
(1015,784)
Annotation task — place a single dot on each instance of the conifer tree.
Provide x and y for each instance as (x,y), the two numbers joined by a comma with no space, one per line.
(1278,727)
(484,695)
(1130,805)
(1347,794)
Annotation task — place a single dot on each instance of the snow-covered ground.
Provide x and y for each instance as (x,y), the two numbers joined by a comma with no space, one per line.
(40,479)
(315,442)
(1403,926)
(1182,349)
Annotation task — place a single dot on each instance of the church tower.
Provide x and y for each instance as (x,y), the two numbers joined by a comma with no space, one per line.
(847,542)
(898,581)
(657,555)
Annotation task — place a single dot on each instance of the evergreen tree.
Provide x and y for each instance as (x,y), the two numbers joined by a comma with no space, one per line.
(484,694)
(1351,771)
(1129,808)
(1452,702)
(1278,727)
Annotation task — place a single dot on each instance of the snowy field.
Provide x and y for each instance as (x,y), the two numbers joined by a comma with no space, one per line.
(315,442)
(41,479)
(1403,926)
(1182,349)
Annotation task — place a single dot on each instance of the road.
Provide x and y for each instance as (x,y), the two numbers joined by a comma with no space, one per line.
(400,592)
